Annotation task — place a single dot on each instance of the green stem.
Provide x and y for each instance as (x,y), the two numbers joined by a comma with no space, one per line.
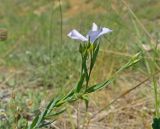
(90,70)
(156,97)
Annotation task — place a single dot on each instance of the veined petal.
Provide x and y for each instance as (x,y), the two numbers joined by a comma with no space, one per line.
(94,27)
(96,32)
(104,31)
(74,34)
(93,35)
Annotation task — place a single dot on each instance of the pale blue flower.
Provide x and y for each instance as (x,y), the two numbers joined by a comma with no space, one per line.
(92,35)
(74,34)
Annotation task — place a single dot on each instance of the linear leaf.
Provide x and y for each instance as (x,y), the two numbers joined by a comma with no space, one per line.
(80,83)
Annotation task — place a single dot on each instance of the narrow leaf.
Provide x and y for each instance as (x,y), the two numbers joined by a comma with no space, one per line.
(99,85)
(56,113)
(80,83)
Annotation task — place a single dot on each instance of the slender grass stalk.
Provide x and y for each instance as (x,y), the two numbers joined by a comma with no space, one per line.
(151,64)
(61,21)
(137,19)
(51,35)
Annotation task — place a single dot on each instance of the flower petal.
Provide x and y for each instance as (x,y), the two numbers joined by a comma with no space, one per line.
(93,35)
(104,31)
(74,34)
(94,27)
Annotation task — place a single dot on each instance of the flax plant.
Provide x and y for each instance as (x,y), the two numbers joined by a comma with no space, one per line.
(88,48)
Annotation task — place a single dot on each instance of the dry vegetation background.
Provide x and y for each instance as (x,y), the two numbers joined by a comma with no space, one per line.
(38,61)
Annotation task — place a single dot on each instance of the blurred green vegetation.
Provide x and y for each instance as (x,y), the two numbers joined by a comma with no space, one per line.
(34,46)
